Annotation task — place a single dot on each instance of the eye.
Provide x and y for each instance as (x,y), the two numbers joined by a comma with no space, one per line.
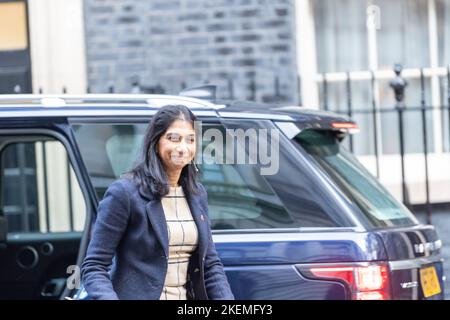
(190,139)
(174,137)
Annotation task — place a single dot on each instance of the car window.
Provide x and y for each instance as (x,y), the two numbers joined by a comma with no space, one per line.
(374,201)
(239,197)
(108,150)
(39,191)
(113,148)
(304,196)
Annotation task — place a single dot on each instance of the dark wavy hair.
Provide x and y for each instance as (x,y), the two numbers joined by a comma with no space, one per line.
(149,172)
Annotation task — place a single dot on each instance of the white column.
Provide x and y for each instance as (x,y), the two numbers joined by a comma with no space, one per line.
(306,52)
(58,55)
(434,63)
(373,23)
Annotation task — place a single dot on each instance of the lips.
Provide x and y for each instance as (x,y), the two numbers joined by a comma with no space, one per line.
(177,159)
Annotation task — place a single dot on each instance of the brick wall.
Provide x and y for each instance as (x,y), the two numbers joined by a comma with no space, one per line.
(176,43)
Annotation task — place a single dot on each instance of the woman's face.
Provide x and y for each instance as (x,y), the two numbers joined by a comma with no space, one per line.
(177,146)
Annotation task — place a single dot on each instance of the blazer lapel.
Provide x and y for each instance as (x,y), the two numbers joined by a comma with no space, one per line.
(155,214)
(200,220)
(157,218)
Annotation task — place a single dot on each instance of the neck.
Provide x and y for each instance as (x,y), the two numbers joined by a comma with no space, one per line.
(173,177)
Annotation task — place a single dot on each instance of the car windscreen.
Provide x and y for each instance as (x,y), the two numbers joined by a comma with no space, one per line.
(358,184)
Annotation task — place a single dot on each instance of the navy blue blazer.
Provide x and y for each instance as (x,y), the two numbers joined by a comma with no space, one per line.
(128,252)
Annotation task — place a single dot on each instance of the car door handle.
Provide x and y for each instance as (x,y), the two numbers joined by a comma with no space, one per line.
(53,288)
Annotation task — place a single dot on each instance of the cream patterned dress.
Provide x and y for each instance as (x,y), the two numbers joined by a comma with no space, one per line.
(183,240)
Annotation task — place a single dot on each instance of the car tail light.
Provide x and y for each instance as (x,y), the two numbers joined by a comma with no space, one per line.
(369,282)
(349,126)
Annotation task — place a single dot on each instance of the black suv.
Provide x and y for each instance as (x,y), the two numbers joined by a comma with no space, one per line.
(302,219)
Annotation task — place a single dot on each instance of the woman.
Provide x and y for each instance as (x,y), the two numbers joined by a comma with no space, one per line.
(152,237)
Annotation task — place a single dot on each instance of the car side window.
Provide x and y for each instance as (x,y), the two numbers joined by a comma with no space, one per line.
(39,191)
(303,195)
(108,150)
(239,197)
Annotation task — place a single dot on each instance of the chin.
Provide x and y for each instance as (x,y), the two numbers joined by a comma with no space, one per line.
(178,166)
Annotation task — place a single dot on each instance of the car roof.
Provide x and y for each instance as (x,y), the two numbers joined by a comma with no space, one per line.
(297,113)
(34,105)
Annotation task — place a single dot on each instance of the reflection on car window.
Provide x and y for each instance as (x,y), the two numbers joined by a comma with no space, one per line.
(377,204)
(234,203)
(302,194)
(238,196)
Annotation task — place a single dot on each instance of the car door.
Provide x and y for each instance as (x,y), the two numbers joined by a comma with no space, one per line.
(42,212)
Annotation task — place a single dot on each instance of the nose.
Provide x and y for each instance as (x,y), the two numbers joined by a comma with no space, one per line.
(181,148)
